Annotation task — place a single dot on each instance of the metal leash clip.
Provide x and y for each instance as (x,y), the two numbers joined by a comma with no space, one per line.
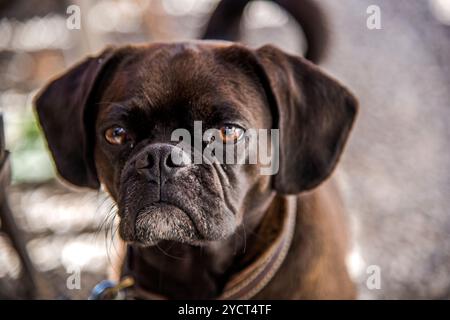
(110,290)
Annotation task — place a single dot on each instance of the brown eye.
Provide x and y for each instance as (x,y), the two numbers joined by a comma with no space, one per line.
(116,135)
(231,134)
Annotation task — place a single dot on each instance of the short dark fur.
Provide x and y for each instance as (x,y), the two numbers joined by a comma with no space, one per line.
(207,216)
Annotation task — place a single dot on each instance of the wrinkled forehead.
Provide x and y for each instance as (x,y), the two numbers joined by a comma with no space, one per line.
(188,75)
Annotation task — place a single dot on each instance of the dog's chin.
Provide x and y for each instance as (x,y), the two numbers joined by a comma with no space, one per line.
(163,221)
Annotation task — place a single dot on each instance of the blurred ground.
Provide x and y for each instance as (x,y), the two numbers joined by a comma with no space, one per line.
(65,230)
(394,172)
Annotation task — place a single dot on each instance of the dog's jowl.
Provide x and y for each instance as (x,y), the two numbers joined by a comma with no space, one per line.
(209,229)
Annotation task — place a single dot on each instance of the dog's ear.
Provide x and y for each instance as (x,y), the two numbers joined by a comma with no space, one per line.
(314,114)
(66,111)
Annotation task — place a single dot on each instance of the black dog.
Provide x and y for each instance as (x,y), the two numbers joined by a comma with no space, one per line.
(192,227)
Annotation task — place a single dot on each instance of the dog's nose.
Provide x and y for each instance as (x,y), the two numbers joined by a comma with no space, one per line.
(160,161)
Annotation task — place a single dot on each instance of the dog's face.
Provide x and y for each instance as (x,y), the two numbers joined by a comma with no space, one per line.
(168,88)
(110,120)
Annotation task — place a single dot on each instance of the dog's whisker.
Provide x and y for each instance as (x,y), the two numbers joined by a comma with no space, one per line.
(245,238)
(102,227)
(167,254)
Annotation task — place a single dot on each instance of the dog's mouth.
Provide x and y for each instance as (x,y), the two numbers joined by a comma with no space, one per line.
(163,221)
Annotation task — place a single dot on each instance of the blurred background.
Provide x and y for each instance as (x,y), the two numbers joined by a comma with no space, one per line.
(394,175)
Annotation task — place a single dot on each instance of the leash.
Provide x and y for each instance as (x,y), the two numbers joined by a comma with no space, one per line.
(243,285)
(110,290)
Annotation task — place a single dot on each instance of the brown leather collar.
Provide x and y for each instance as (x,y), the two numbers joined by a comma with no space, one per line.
(248,282)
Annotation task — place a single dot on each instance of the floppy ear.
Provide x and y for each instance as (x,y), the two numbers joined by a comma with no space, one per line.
(315,114)
(66,111)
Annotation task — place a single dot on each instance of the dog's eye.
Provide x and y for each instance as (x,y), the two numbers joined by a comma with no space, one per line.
(116,135)
(231,134)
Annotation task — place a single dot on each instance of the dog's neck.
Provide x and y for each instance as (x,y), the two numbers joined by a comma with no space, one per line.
(182,271)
